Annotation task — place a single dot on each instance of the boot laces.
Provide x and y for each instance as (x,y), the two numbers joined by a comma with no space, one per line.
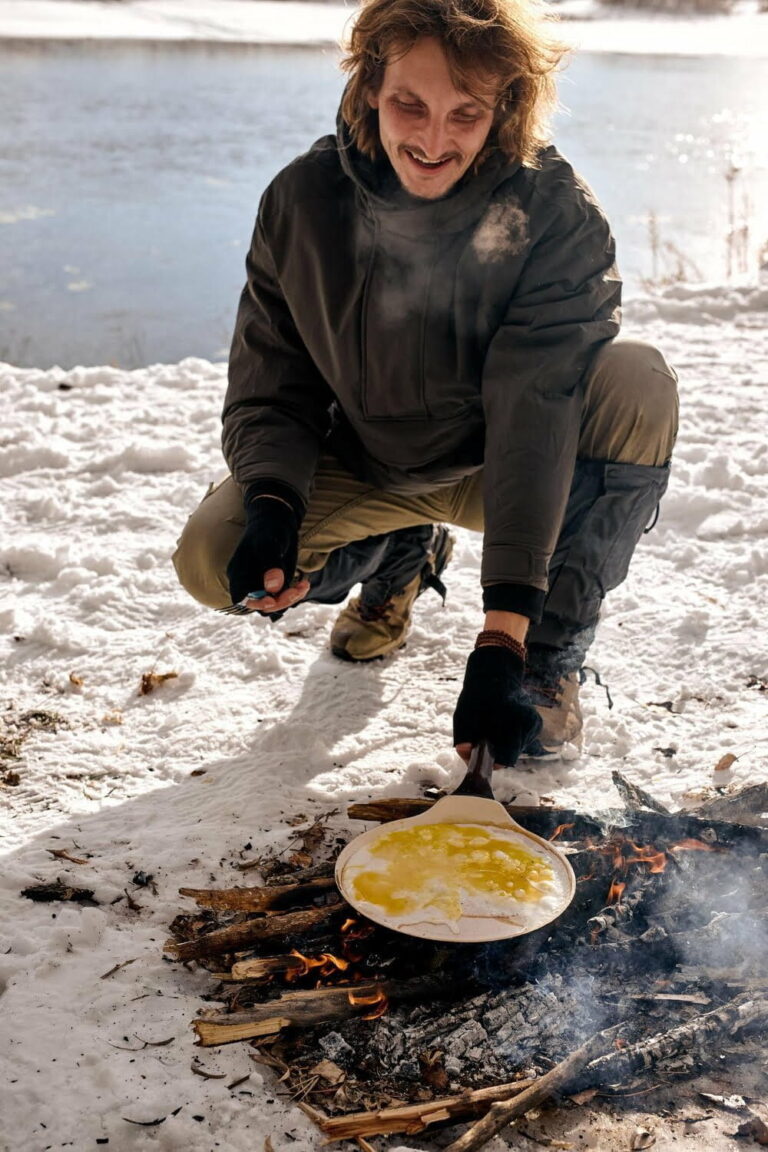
(546,692)
(600,683)
(372,613)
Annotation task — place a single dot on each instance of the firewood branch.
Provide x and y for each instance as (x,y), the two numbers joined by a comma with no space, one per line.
(504,1112)
(258,899)
(698,1035)
(595,1064)
(273,926)
(413,1118)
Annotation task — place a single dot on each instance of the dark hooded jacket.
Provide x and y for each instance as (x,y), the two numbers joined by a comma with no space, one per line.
(422,340)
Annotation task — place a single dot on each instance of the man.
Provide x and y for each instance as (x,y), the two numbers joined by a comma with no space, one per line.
(427,335)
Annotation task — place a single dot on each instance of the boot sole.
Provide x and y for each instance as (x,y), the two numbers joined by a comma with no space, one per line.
(528,757)
(342,654)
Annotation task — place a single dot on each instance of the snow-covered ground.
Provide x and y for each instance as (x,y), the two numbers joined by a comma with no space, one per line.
(261,725)
(296,22)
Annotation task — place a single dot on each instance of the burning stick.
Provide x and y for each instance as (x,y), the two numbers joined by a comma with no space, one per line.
(292,1009)
(307,1008)
(263,968)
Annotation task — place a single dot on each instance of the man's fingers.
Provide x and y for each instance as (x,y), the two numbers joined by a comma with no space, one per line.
(285,599)
(274,578)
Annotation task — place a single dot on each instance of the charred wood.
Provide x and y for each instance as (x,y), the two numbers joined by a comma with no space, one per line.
(308,1008)
(545,821)
(277,926)
(301,875)
(259,899)
(635,797)
(622,911)
(542,821)
(699,1036)
(748,806)
(560,1079)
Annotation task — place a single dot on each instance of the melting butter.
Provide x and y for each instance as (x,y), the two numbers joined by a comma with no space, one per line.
(452,870)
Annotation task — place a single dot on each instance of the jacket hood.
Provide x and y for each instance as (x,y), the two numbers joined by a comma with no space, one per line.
(398,211)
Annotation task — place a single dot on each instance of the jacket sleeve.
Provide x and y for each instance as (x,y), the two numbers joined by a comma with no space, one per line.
(277,407)
(565,306)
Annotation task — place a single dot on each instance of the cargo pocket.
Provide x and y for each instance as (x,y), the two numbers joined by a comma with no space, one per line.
(609,507)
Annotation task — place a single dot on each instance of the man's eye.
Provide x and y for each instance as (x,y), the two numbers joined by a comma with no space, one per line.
(403,107)
(467,117)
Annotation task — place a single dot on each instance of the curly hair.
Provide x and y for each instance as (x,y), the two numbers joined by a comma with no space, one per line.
(507,41)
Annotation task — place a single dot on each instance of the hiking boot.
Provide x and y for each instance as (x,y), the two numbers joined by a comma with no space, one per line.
(556,699)
(378,621)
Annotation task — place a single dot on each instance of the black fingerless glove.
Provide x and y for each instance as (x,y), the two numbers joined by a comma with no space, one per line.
(270,540)
(493,706)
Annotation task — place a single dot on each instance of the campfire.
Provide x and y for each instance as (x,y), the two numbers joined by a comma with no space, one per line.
(655,971)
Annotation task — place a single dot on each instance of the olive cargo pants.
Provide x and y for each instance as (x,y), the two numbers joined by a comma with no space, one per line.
(628,430)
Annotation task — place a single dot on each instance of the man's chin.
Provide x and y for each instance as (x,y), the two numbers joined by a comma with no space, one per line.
(427,189)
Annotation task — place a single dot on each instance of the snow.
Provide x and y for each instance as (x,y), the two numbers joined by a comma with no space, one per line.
(99,469)
(586,25)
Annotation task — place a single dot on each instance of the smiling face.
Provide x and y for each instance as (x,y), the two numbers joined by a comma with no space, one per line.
(431,131)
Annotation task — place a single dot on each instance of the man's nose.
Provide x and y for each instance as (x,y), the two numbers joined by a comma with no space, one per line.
(435,139)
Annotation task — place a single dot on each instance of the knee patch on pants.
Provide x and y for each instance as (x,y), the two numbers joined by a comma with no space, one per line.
(630,406)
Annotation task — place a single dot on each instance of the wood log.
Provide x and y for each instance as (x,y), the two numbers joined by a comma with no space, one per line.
(274,926)
(552,1083)
(309,1007)
(289,876)
(544,821)
(391,808)
(302,1009)
(259,899)
(594,1064)
(635,797)
(699,1035)
(301,875)
(413,1118)
(263,967)
(211,1035)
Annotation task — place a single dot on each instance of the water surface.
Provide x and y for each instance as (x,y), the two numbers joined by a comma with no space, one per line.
(130,175)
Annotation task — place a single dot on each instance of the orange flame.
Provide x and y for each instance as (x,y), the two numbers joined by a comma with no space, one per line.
(559,830)
(378,999)
(615,891)
(695,846)
(326,963)
(356,930)
(647,854)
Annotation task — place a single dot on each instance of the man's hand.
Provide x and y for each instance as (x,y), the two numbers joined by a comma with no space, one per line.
(265,558)
(493,706)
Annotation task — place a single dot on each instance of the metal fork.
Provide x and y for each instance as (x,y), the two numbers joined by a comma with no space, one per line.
(240,609)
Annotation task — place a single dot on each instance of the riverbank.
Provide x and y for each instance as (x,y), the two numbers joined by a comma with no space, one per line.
(292,22)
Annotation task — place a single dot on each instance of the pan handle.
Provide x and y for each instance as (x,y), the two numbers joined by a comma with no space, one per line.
(477,781)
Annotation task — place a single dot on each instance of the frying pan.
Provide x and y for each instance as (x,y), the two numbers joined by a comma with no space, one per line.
(472,803)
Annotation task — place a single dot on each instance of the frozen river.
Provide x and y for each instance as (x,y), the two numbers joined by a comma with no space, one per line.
(131,175)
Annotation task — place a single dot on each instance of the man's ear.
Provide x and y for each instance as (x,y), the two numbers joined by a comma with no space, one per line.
(372,98)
